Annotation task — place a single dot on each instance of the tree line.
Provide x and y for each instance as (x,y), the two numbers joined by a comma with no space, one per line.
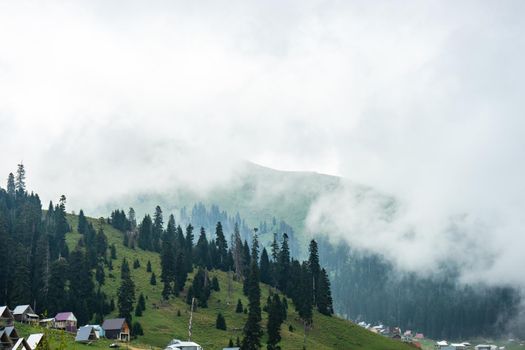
(367,287)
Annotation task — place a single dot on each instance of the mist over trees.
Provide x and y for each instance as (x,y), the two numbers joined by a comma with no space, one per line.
(333,277)
(366,287)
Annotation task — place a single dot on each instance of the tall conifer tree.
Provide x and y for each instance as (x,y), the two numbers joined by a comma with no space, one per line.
(252,329)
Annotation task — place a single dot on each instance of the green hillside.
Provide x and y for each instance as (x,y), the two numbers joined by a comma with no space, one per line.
(258,193)
(161,323)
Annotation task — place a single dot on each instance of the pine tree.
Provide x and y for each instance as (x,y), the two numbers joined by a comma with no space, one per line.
(201,287)
(157,230)
(11,187)
(265,267)
(275,319)
(215,284)
(315,268)
(238,253)
(252,329)
(275,248)
(61,227)
(324,300)
(102,244)
(144,239)
(188,256)
(126,293)
(181,273)
(142,302)
(222,247)
(141,305)
(153,279)
(239,308)
(283,265)
(20,182)
(124,269)
(202,254)
(136,264)
(220,322)
(148,266)
(82,222)
(304,299)
(132,219)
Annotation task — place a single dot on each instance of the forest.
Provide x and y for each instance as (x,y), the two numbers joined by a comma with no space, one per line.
(51,278)
(368,288)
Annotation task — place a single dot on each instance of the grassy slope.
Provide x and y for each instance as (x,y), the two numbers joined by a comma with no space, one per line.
(162,324)
(55,338)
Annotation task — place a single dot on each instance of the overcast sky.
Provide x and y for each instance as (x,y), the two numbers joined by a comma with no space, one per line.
(419,99)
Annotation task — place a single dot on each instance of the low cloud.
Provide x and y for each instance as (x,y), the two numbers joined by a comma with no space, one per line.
(421,101)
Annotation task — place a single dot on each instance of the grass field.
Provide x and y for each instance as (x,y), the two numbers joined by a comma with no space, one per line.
(161,323)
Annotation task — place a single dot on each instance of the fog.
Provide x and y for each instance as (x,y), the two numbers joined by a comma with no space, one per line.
(421,101)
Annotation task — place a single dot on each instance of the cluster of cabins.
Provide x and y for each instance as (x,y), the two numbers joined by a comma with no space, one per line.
(408,336)
(414,338)
(444,345)
(10,340)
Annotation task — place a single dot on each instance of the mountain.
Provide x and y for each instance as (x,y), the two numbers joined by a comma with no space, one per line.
(365,285)
(255,192)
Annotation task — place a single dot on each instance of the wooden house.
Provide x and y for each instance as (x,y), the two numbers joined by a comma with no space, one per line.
(6,316)
(24,313)
(117,328)
(66,321)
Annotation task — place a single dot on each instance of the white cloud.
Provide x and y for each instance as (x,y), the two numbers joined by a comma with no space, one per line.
(421,100)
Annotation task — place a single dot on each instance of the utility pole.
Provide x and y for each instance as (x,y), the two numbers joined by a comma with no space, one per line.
(191,319)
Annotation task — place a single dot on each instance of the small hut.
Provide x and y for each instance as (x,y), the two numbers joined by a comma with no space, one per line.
(86,335)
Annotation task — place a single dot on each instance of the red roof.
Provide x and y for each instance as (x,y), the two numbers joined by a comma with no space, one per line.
(63,316)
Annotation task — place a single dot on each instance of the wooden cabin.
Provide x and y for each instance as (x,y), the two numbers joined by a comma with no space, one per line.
(25,314)
(66,321)
(117,328)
